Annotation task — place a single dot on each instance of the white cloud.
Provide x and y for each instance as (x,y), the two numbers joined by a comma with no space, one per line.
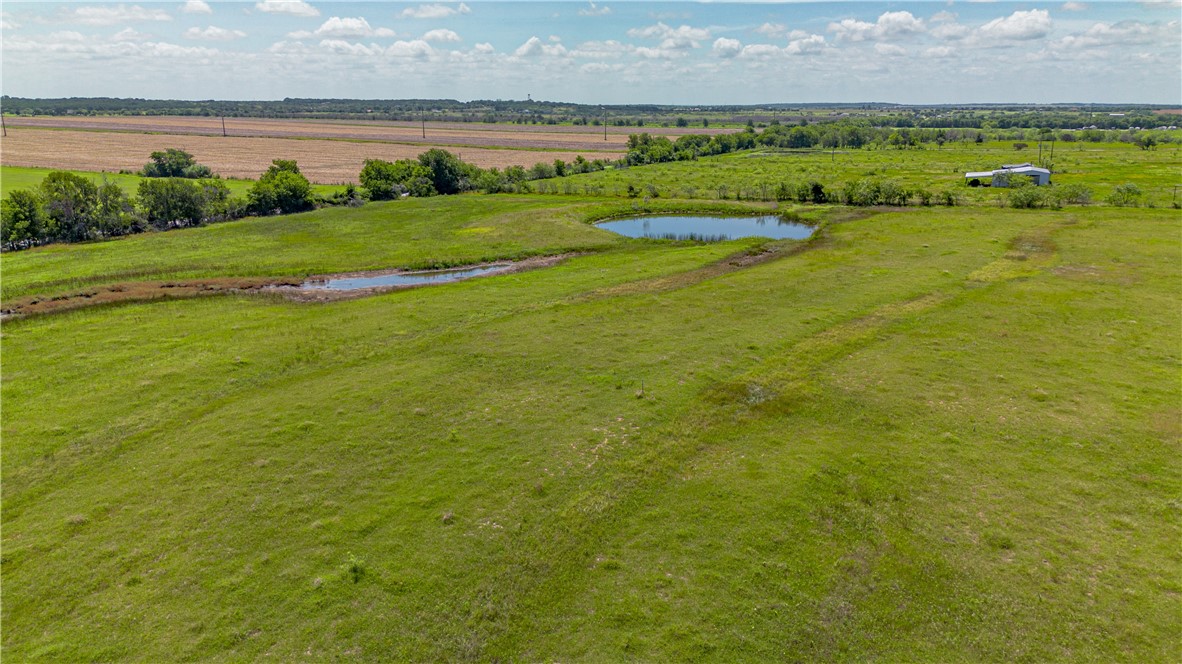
(600,68)
(950,30)
(416,48)
(650,53)
(534,47)
(602,49)
(112,14)
(727,48)
(890,25)
(889,50)
(214,33)
(939,52)
(672,38)
(807,44)
(441,35)
(435,11)
(196,7)
(1125,33)
(1021,25)
(292,7)
(484,47)
(761,51)
(68,37)
(343,28)
(130,34)
(771,29)
(1074,6)
(595,10)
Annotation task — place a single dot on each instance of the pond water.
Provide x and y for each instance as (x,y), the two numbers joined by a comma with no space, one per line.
(708,229)
(401,279)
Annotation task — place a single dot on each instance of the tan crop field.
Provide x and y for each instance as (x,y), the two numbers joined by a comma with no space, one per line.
(528,137)
(326,160)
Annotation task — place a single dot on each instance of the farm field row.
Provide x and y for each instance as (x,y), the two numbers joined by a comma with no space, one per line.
(437,134)
(582,137)
(324,161)
(934,435)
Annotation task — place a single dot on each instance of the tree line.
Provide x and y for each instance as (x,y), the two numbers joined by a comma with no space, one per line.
(175,193)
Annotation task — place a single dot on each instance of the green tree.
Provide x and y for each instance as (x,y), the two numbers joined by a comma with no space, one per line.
(170,202)
(22,220)
(385,180)
(70,202)
(114,213)
(447,171)
(281,189)
(174,163)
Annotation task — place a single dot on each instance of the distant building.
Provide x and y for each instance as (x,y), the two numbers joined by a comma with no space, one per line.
(1001,177)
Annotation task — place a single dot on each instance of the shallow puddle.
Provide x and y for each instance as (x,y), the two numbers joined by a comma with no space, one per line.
(401,278)
(708,229)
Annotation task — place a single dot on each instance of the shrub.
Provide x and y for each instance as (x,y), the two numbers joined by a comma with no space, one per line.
(1023,194)
(174,163)
(22,221)
(282,188)
(385,180)
(1125,195)
(170,202)
(1077,194)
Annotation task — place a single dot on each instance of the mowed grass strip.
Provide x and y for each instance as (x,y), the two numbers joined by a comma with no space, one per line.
(861,451)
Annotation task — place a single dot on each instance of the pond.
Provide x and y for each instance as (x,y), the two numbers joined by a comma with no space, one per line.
(401,278)
(709,229)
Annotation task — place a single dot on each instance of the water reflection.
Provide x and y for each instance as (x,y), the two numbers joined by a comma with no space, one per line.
(709,229)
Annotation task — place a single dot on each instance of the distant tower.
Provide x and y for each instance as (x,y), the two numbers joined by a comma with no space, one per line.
(527,97)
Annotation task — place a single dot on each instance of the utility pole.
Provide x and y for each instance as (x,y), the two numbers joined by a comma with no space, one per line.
(423,119)
(604,123)
(4,131)
(223,126)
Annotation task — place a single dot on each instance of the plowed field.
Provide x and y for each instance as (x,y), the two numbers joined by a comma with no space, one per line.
(328,159)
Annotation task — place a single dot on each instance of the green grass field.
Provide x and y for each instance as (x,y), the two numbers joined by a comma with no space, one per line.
(414,233)
(756,174)
(20,177)
(933,435)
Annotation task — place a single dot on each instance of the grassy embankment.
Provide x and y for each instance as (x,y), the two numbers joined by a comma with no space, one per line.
(937,435)
(413,234)
(18,177)
(1099,166)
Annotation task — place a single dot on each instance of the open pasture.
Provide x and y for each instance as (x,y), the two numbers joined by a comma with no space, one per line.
(757,173)
(933,435)
(325,161)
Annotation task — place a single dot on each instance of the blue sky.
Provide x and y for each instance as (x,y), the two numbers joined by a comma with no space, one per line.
(598,52)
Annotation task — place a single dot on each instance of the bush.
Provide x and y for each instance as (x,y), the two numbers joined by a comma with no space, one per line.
(69,204)
(22,220)
(447,171)
(1077,194)
(174,163)
(385,180)
(1125,195)
(281,189)
(170,202)
(1024,194)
